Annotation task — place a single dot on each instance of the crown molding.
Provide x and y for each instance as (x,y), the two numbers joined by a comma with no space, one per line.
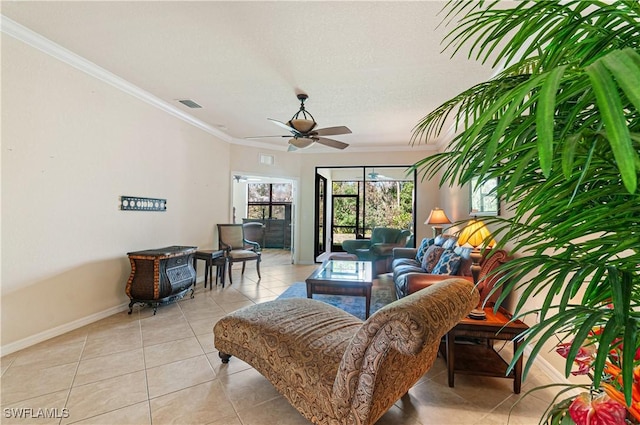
(37,41)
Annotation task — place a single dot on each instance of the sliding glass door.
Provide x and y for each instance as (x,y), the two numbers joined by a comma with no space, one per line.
(354,200)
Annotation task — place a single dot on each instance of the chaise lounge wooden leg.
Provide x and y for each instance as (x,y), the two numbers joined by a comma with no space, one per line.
(224,357)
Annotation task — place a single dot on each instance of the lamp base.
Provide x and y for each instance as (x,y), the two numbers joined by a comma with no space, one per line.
(477,314)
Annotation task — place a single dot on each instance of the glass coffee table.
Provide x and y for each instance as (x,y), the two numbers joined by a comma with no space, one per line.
(338,277)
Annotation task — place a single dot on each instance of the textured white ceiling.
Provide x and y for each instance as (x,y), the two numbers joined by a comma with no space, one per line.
(375,67)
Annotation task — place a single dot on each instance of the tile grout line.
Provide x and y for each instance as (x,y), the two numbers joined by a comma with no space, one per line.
(75,374)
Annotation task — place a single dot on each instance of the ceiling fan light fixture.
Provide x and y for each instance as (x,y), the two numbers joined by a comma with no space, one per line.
(302,125)
(301,142)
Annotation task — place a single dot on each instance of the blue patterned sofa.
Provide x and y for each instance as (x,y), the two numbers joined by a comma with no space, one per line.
(333,367)
(438,259)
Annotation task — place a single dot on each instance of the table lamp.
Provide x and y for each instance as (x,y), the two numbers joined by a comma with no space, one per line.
(476,234)
(436,218)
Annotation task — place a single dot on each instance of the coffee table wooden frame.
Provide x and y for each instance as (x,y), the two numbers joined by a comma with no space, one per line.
(482,359)
(328,279)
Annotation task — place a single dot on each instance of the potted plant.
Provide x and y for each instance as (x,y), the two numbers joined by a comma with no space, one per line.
(560,127)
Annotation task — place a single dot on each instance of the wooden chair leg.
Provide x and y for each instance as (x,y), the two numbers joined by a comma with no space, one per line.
(230,278)
(258,268)
(244,263)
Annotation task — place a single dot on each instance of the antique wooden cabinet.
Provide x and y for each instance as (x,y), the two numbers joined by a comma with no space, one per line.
(160,276)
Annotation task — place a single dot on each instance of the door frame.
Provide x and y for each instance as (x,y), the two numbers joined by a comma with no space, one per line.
(320,216)
(261,178)
(413,175)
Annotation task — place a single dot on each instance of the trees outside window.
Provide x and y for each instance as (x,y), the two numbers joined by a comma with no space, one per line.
(269,200)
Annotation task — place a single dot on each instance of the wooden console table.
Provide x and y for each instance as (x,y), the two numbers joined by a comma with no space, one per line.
(480,358)
(160,276)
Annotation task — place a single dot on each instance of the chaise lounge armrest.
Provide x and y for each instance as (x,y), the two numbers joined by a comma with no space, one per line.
(393,349)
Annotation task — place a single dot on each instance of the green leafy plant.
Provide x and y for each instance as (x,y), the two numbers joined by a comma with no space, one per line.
(560,127)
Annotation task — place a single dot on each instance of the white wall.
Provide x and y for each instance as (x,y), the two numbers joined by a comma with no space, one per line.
(71,145)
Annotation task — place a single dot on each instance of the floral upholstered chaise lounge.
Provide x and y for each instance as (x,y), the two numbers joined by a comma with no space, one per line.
(333,367)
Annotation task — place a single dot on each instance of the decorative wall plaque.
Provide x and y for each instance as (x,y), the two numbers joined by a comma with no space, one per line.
(136,203)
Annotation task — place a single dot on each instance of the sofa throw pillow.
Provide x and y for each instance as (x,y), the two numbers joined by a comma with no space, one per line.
(448,263)
(431,257)
(426,243)
(439,240)
(449,243)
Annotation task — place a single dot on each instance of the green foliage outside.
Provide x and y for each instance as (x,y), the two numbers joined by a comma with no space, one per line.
(388,204)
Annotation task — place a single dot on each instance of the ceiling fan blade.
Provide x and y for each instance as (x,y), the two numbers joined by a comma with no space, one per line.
(263,137)
(331,143)
(286,127)
(332,131)
(379,177)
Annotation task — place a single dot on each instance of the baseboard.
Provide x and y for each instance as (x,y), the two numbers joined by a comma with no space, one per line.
(554,374)
(59,330)
(67,327)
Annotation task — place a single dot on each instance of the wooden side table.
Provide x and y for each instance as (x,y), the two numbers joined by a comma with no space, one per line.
(211,258)
(481,359)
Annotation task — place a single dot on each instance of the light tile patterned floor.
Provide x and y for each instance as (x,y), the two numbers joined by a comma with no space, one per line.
(163,369)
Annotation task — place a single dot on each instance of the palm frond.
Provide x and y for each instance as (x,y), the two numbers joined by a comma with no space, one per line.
(560,127)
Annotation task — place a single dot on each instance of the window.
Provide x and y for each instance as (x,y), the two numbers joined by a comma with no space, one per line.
(269,200)
(484,197)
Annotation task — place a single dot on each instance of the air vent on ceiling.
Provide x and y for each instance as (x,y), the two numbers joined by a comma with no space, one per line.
(189,103)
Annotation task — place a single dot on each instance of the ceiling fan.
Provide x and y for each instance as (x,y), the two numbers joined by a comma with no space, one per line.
(302,126)
(373,175)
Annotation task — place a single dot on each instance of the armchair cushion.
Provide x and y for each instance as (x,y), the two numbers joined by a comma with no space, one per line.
(352,245)
(380,246)
(238,254)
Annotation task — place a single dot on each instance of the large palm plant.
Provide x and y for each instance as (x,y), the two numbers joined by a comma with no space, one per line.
(560,128)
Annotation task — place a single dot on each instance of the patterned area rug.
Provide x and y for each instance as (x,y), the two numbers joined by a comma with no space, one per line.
(382,293)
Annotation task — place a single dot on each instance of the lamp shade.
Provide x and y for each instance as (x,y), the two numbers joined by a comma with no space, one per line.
(475,234)
(301,142)
(302,125)
(437,216)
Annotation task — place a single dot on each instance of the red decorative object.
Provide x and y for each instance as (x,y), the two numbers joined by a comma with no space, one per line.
(599,411)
